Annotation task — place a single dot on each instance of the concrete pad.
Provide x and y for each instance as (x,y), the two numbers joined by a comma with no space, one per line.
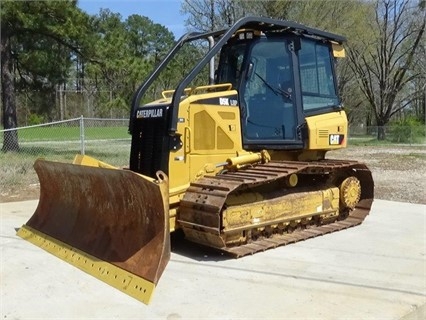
(374,271)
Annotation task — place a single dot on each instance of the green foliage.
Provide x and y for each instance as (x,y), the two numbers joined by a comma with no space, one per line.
(127,51)
(406,130)
(46,37)
(34,119)
(106,57)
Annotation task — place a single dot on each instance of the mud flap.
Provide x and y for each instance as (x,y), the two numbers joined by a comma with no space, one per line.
(110,223)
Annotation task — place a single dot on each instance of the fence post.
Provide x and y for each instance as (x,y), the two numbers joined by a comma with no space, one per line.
(82,135)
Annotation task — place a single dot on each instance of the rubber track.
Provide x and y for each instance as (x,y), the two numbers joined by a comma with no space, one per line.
(206,197)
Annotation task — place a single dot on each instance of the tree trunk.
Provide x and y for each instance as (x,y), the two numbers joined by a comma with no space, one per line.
(368,123)
(381,134)
(10,138)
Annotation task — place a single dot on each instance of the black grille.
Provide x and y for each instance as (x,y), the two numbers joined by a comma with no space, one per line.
(150,144)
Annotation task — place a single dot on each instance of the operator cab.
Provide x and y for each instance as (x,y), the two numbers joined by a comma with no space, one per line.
(283,73)
(280,79)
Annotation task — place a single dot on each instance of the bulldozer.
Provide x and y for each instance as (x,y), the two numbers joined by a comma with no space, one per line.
(237,164)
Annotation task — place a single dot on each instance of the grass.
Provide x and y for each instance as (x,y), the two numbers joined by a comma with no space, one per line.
(61,142)
(417,155)
(367,141)
(373,141)
(115,151)
(67,133)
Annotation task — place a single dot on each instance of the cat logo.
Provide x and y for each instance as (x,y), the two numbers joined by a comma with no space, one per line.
(336,139)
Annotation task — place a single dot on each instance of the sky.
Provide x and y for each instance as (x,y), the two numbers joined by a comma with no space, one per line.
(164,12)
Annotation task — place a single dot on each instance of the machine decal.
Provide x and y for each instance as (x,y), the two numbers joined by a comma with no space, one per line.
(150,113)
(227,102)
(231,100)
(336,139)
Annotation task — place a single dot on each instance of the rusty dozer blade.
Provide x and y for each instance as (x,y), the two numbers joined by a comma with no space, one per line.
(110,223)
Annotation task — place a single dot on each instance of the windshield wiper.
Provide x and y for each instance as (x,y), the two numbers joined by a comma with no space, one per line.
(277,91)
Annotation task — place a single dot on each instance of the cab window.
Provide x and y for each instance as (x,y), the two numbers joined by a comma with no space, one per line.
(316,74)
(231,62)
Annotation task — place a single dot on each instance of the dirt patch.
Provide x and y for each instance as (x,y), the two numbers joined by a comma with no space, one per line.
(399,173)
(20,193)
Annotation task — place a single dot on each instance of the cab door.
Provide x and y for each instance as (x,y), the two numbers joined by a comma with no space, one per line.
(268,95)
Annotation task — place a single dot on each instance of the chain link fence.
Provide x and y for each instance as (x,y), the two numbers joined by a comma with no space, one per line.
(105,139)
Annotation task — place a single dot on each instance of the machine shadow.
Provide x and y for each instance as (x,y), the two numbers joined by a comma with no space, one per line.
(186,248)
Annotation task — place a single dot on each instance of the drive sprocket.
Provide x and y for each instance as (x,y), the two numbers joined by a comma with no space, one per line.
(350,192)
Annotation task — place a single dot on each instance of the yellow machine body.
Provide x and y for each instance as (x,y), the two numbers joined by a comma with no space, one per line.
(212,135)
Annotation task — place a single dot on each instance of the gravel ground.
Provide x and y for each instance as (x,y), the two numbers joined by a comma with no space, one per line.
(399,173)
